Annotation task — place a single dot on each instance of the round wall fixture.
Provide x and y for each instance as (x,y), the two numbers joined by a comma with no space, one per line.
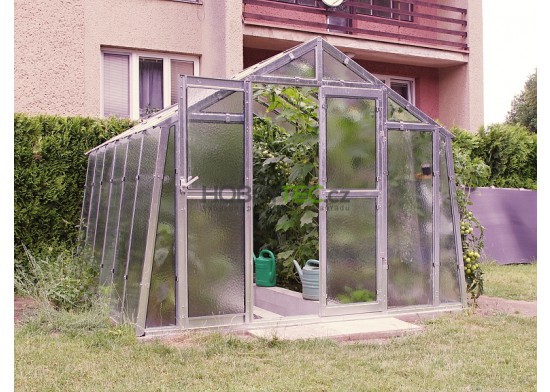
(333,3)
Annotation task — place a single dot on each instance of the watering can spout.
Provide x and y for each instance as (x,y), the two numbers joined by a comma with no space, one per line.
(298,269)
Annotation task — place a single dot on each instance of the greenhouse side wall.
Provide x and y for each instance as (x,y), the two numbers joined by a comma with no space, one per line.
(120,211)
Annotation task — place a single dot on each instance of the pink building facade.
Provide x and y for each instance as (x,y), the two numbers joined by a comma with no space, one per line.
(105,57)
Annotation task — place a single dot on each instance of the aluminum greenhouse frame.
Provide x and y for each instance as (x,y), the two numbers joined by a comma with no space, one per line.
(174,243)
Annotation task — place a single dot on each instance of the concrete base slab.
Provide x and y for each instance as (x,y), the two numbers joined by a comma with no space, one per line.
(341,330)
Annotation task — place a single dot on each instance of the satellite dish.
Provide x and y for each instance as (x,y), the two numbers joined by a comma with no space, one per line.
(333,3)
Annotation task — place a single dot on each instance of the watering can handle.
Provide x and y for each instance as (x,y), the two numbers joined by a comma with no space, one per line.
(267,253)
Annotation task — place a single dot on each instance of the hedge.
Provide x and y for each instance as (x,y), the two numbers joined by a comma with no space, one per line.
(49,175)
(501,155)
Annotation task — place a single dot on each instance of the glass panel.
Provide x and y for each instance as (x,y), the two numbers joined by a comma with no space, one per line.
(302,67)
(449,289)
(410,227)
(215,257)
(125,225)
(351,251)
(351,143)
(141,221)
(161,308)
(382,3)
(104,205)
(86,198)
(177,68)
(216,152)
(223,101)
(90,235)
(150,86)
(114,210)
(335,70)
(397,112)
(338,24)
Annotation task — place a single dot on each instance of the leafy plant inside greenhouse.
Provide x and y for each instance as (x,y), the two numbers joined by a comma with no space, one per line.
(286,165)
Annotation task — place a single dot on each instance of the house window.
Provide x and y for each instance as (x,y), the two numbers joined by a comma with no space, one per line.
(393,7)
(402,86)
(136,84)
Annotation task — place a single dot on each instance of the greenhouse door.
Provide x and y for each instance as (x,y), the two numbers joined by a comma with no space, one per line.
(214,203)
(351,217)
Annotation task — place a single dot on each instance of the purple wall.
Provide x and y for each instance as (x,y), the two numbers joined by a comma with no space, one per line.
(510,220)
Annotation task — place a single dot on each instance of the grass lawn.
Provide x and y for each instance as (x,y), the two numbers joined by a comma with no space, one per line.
(517,281)
(463,352)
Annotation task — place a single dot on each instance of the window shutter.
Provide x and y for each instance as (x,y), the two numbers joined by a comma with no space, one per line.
(116,89)
(178,68)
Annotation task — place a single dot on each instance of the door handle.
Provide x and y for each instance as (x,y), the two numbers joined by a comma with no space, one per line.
(185,184)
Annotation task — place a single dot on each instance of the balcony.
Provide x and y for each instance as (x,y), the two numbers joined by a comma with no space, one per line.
(426,23)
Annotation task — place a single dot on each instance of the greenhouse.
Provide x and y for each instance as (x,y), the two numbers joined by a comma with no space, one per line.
(176,208)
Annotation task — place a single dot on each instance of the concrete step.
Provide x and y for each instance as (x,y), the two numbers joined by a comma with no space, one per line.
(340,330)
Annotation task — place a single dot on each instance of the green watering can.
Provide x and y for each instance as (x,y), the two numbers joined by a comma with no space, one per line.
(264,264)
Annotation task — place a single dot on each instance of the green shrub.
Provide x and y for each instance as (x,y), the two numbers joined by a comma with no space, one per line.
(502,155)
(511,153)
(49,177)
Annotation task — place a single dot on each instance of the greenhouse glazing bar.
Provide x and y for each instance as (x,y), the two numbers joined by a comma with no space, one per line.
(152,227)
(122,186)
(102,265)
(456,220)
(436,191)
(131,234)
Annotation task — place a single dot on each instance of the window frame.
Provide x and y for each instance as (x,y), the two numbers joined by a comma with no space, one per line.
(393,11)
(133,75)
(388,79)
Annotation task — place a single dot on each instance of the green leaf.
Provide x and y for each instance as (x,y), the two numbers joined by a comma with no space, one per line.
(285,255)
(299,171)
(284,223)
(271,160)
(308,217)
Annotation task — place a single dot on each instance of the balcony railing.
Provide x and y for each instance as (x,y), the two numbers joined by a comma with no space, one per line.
(421,22)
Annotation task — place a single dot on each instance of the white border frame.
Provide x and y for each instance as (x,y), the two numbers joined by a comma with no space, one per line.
(133,73)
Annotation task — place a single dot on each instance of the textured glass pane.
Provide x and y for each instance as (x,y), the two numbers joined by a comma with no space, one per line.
(216,154)
(218,101)
(104,205)
(335,70)
(302,67)
(86,198)
(141,221)
(397,112)
(351,251)
(215,257)
(449,289)
(410,229)
(114,211)
(351,143)
(161,308)
(178,68)
(125,225)
(94,200)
